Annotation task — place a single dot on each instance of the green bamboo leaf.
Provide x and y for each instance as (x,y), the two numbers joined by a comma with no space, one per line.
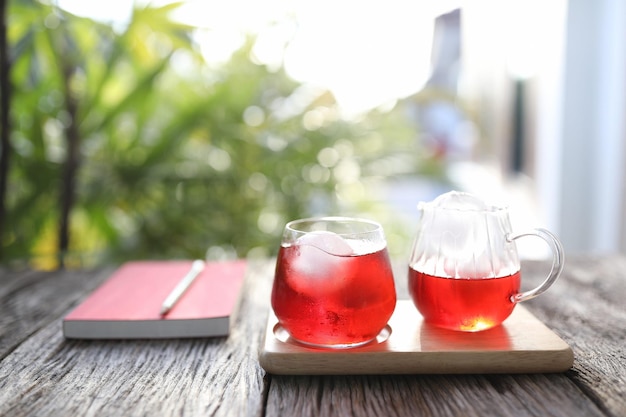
(111,49)
(143,86)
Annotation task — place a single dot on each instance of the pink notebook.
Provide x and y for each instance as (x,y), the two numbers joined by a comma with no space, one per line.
(127,305)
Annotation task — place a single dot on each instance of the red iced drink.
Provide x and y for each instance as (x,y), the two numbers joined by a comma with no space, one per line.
(335,299)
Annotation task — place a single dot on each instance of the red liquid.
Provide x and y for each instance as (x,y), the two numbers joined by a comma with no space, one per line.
(463,304)
(348,303)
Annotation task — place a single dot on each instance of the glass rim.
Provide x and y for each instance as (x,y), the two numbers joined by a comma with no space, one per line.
(376,227)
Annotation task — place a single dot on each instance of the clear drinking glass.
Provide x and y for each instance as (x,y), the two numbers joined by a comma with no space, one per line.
(464,269)
(333,285)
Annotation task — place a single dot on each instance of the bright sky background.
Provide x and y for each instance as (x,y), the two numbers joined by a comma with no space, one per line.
(368,53)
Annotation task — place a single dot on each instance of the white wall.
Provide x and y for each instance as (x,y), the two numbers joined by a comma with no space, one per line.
(573,55)
(583,196)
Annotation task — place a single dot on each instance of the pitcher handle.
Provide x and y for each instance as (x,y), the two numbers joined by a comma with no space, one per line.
(557,263)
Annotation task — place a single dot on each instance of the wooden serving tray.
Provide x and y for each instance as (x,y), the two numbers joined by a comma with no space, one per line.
(522,344)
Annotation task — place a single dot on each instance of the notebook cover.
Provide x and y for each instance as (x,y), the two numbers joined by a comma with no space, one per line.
(127,305)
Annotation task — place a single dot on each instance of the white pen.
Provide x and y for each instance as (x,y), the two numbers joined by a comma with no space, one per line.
(182,286)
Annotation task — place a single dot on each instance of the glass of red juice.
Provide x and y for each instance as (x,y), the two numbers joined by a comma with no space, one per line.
(333,287)
(464,269)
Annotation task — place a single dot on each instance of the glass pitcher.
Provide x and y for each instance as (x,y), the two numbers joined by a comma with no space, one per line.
(464,269)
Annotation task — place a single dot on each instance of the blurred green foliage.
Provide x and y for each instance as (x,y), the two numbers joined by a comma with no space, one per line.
(177,156)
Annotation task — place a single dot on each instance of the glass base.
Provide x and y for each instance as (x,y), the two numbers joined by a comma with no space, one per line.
(283,335)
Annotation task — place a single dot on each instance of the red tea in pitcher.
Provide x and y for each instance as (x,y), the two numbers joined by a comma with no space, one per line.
(332,300)
(461,303)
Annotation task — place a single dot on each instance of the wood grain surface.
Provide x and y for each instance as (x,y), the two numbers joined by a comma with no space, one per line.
(42,374)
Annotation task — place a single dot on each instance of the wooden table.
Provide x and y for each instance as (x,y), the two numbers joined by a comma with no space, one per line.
(42,374)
